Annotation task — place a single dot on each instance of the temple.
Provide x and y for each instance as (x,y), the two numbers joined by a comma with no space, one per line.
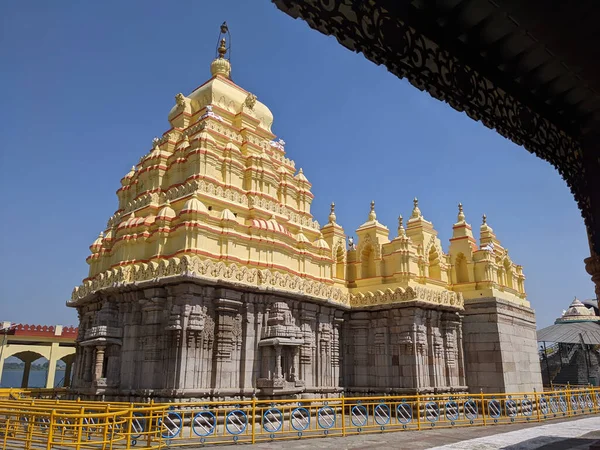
(213,280)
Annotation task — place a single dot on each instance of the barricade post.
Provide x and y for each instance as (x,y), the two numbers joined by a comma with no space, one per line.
(50,430)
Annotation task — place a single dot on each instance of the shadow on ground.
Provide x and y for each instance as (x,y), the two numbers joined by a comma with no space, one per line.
(557,443)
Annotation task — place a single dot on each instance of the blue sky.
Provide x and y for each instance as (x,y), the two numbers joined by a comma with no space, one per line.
(87,85)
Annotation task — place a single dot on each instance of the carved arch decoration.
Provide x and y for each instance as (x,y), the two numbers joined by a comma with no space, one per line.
(339,257)
(461,268)
(376,32)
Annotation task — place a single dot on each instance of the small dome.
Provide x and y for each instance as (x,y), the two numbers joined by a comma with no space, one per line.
(576,308)
(227,215)
(97,245)
(270,225)
(109,234)
(220,66)
(148,220)
(302,238)
(300,176)
(127,222)
(131,172)
(194,205)
(578,312)
(322,243)
(166,212)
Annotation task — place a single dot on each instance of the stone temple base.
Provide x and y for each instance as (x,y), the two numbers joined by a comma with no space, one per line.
(196,341)
(500,347)
(185,339)
(405,349)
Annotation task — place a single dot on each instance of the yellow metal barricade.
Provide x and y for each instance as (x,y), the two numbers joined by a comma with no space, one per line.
(43,421)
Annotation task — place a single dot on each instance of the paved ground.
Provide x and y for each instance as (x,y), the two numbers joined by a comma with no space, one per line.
(574,434)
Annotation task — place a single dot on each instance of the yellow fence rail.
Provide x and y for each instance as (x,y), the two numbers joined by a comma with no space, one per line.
(51,423)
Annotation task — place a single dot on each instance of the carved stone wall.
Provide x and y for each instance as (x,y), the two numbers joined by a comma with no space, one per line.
(192,341)
(403,350)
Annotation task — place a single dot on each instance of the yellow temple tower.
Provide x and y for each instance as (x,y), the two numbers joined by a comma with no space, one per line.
(212,279)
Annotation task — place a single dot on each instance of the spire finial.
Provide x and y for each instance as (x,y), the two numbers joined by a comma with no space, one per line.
(484,220)
(461,214)
(372,215)
(332,217)
(221,65)
(401,231)
(222,48)
(416,213)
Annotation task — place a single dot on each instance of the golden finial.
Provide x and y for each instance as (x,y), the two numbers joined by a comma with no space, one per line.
(332,217)
(372,215)
(416,213)
(221,65)
(461,214)
(222,48)
(401,231)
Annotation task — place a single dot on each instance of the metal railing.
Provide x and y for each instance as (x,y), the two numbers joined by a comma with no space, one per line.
(49,423)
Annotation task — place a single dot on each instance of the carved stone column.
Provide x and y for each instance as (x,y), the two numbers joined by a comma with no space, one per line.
(308,318)
(99,365)
(227,308)
(68,369)
(86,370)
(336,348)
(295,361)
(278,371)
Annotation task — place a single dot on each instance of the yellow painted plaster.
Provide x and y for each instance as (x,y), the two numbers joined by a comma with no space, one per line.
(216,197)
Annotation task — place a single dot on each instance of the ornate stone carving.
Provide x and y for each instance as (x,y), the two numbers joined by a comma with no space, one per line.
(195,266)
(250,101)
(180,99)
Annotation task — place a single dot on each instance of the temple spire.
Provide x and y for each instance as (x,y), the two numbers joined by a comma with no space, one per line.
(461,214)
(372,215)
(221,65)
(401,230)
(332,217)
(416,212)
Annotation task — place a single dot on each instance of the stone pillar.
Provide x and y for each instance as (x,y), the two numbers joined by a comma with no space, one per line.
(308,318)
(336,348)
(99,363)
(67,382)
(86,370)
(251,322)
(26,370)
(227,305)
(278,371)
(52,366)
(295,361)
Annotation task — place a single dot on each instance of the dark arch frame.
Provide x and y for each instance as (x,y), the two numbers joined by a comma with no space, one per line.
(442,47)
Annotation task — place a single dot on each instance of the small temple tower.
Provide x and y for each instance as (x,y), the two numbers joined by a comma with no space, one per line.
(212,279)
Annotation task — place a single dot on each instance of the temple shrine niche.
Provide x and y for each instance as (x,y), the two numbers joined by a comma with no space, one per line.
(213,280)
